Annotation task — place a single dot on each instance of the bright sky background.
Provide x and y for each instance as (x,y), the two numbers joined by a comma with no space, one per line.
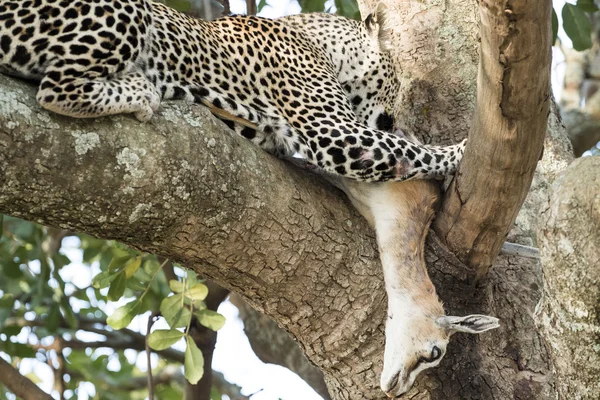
(233,355)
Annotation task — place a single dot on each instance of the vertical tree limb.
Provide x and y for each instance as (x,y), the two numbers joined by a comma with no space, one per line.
(149,378)
(507,134)
(251,7)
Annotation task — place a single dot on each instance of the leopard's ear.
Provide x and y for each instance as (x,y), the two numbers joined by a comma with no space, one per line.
(379,23)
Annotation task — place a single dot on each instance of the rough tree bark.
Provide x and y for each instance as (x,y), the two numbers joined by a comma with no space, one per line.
(436,52)
(291,246)
(272,345)
(569,313)
(184,187)
(513,93)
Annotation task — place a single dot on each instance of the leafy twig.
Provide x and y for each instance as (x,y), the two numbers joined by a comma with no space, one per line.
(151,319)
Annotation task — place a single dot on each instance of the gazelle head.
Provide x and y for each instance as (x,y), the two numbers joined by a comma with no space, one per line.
(416,337)
(417,330)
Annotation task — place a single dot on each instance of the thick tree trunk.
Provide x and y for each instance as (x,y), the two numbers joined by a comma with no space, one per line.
(185,187)
(569,314)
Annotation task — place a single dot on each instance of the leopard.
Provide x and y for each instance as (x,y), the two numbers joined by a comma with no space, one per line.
(318,85)
(322,88)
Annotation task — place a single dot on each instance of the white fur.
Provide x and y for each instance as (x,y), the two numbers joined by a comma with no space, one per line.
(400,214)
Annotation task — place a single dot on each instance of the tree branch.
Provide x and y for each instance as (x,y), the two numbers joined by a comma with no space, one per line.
(118,340)
(507,134)
(20,385)
(184,187)
(233,391)
(251,7)
(173,373)
(513,249)
(271,344)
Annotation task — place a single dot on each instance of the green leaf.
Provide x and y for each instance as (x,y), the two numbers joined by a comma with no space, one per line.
(215,394)
(132,266)
(89,253)
(164,392)
(17,349)
(6,304)
(123,315)
(261,5)
(554,26)
(162,339)
(191,277)
(181,318)
(174,312)
(117,287)
(103,279)
(53,318)
(587,5)
(33,377)
(348,8)
(7,300)
(577,26)
(210,319)
(170,305)
(193,365)
(197,292)
(176,286)
(11,269)
(12,330)
(24,230)
(118,262)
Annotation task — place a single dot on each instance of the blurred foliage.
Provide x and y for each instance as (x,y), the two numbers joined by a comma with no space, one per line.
(179,5)
(576,23)
(48,315)
(347,8)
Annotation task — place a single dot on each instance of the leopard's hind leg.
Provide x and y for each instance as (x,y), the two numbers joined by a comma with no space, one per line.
(72,91)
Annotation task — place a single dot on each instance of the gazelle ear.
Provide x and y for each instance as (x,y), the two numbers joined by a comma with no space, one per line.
(379,22)
(470,323)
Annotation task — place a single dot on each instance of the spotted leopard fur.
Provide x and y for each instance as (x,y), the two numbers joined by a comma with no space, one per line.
(299,84)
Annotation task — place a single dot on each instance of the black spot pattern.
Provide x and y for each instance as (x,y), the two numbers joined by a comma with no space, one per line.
(313,83)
